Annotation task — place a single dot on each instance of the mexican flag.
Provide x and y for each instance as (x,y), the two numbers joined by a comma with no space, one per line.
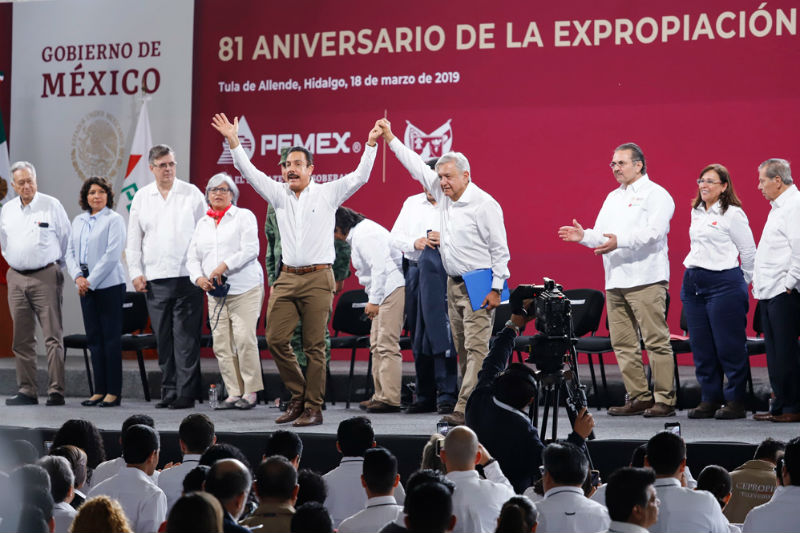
(137,174)
(6,191)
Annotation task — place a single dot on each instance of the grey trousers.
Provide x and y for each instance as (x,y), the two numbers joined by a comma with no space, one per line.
(176,312)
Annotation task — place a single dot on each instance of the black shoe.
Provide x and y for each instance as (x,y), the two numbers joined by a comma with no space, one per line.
(164,403)
(22,399)
(182,403)
(115,403)
(420,408)
(55,399)
(91,403)
(446,408)
(225,406)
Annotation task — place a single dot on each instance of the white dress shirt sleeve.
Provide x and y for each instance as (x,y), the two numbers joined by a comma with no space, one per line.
(417,167)
(63,229)
(71,257)
(194,260)
(153,513)
(344,187)
(493,230)
(113,252)
(248,241)
(374,254)
(494,473)
(792,278)
(401,239)
(268,188)
(742,237)
(660,208)
(133,248)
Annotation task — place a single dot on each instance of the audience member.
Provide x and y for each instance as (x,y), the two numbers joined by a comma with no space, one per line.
(518,515)
(112,467)
(29,476)
(379,479)
(61,489)
(101,513)
(779,515)
(276,488)
(195,512)
(430,453)
(223,451)
(564,507)
(414,480)
(682,509)
(229,481)
(144,503)
(77,462)
(476,502)
(754,482)
(195,479)
(84,435)
(32,520)
(195,436)
(346,495)
(285,443)
(631,500)
(717,481)
(312,487)
(312,517)
(430,509)
(24,452)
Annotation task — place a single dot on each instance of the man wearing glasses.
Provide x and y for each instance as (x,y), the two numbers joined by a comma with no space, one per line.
(160,226)
(631,234)
(304,289)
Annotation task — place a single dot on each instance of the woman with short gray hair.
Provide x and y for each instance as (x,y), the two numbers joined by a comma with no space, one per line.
(223,261)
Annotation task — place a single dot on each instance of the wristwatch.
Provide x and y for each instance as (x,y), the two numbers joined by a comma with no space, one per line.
(498,291)
(510,324)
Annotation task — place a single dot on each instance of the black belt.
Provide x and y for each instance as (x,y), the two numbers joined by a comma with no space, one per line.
(457,279)
(413,263)
(34,270)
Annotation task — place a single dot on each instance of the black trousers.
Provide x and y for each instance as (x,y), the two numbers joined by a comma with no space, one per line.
(176,312)
(102,319)
(780,317)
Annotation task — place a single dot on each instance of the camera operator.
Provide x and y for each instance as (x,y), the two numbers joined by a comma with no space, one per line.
(496,410)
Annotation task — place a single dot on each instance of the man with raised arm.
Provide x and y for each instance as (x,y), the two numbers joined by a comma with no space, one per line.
(304,290)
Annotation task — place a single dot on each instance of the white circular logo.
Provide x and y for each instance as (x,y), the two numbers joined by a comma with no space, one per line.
(97,146)
(355,147)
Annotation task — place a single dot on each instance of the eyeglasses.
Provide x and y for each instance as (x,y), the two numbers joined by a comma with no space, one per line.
(164,166)
(219,189)
(707,182)
(621,164)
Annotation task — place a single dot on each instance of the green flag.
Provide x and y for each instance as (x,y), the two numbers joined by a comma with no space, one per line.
(6,192)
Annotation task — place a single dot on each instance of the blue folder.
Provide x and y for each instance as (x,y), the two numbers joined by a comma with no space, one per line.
(479,283)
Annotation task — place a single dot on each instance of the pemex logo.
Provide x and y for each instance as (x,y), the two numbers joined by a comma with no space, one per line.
(434,144)
(246,139)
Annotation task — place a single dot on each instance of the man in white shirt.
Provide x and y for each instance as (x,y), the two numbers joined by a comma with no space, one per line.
(304,290)
(34,233)
(564,507)
(681,509)
(160,226)
(416,234)
(144,503)
(631,500)
(473,237)
(379,269)
(379,479)
(111,467)
(779,515)
(776,280)
(476,501)
(62,490)
(631,234)
(195,436)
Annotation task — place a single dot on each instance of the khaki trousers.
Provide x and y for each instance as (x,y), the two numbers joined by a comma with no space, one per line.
(384,343)
(642,310)
(32,297)
(471,333)
(307,297)
(235,345)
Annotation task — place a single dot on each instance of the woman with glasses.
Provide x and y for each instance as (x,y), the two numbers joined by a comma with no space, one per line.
(94,261)
(714,294)
(222,260)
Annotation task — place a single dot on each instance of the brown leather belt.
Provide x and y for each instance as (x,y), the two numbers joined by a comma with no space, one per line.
(304,269)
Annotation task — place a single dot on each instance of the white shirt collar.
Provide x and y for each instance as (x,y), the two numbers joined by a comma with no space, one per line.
(563,489)
(507,407)
(381,500)
(625,527)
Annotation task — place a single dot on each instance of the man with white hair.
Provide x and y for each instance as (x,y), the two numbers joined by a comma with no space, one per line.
(162,220)
(472,237)
(34,232)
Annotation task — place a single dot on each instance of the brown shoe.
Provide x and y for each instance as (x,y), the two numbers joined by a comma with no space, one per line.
(763,417)
(381,407)
(786,417)
(312,416)
(365,404)
(631,407)
(731,411)
(293,412)
(454,419)
(704,410)
(659,410)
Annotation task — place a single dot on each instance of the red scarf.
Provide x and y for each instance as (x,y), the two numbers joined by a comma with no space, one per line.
(217,215)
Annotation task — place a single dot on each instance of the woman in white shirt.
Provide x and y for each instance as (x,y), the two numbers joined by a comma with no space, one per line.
(224,251)
(714,294)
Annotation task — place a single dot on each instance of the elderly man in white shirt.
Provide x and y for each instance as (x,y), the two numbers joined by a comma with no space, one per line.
(681,509)
(631,500)
(379,269)
(160,225)
(779,514)
(305,211)
(631,234)
(224,250)
(476,502)
(62,482)
(144,503)
(379,479)
(776,280)
(564,508)
(473,237)
(34,233)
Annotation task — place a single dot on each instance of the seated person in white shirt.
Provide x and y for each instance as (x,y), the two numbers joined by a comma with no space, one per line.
(717,481)
(109,468)
(476,501)
(144,503)
(276,487)
(379,479)
(682,509)
(631,500)
(346,495)
(517,514)
(61,489)
(196,511)
(564,507)
(286,444)
(420,477)
(195,436)
(429,509)
(780,513)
